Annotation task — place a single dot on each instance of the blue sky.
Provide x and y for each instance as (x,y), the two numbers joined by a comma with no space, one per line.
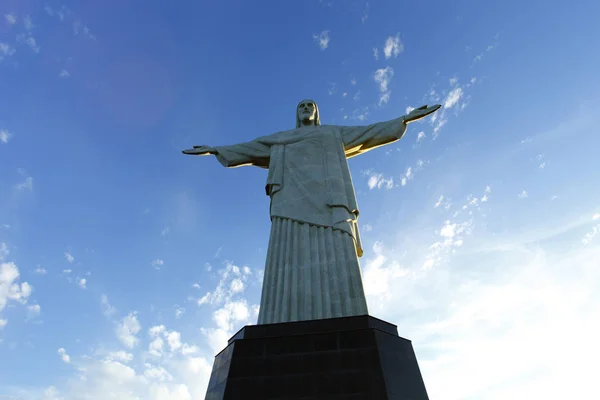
(125,265)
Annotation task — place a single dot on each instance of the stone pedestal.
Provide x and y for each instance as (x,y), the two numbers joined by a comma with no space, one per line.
(340,358)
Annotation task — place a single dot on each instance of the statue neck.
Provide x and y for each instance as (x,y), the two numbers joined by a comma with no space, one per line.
(307,122)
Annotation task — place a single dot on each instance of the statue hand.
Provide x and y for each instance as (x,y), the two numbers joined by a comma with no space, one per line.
(200,151)
(420,112)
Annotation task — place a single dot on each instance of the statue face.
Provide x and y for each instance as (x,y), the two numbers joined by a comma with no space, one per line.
(306,110)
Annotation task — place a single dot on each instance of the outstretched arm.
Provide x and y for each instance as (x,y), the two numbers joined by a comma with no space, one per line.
(237,155)
(359,139)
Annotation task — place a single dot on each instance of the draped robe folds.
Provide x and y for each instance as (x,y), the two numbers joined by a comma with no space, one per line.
(312,269)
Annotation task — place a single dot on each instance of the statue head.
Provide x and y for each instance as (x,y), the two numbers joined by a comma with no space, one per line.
(307,112)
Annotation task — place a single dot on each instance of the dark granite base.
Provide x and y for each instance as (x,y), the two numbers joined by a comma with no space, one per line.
(340,358)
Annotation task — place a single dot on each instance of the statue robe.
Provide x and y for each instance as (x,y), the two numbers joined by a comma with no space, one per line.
(312,269)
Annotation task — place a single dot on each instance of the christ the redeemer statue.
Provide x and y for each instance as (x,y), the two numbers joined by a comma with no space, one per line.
(312,269)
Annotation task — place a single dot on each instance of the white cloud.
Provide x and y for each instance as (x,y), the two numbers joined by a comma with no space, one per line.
(383,77)
(10,289)
(51,393)
(157,263)
(40,271)
(439,202)
(128,329)
(322,39)
(179,311)
(230,313)
(29,41)
(237,286)
(589,236)
(453,97)
(520,312)
(120,356)
(174,340)
(153,373)
(69,257)
(378,276)
(156,330)
(407,175)
(420,136)
(393,46)
(4,251)
(231,282)
(378,181)
(332,88)
(28,23)
(33,310)
(453,81)
(365,14)
(5,135)
(67,271)
(27,184)
(376,53)
(11,18)
(156,346)
(64,73)
(6,50)
(523,194)
(63,355)
(82,283)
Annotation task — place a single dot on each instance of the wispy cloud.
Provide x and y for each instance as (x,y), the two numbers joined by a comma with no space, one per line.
(29,41)
(365,14)
(10,287)
(107,309)
(383,77)
(63,355)
(393,46)
(5,136)
(376,53)
(488,48)
(128,329)
(379,181)
(69,257)
(589,236)
(40,271)
(322,39)
(67,16)
(33,311)
(64,73)
(179,311)
(28,23)
(27,184)
(453,97)
(82,282)
(10,18)
(157,263)
(6,50)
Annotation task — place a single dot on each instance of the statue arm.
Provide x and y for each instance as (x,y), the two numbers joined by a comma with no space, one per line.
(253,153)
(360,139)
